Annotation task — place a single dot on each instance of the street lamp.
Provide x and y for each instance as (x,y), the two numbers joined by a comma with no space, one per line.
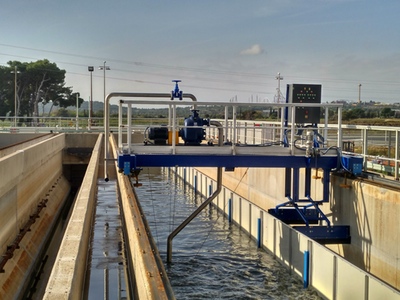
(104,68)
(15,95)
(91,69)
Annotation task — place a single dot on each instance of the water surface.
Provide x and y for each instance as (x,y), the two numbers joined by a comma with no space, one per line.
(211,259)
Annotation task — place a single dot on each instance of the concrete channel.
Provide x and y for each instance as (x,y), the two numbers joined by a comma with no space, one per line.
(39,172)
(365,269)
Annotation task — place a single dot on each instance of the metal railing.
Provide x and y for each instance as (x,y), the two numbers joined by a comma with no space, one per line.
(378,145)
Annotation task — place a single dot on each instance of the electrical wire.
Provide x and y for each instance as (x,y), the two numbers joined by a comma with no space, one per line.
(209,72)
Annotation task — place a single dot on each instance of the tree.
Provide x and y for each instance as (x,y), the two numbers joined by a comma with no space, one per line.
(354,113)
(37,82)
(387,112)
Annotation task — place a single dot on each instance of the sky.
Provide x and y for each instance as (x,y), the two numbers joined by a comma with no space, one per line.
(222,50)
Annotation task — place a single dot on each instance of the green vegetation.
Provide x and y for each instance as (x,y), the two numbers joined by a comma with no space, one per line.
(29,84)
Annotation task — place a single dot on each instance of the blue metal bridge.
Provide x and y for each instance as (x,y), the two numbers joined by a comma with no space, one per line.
(184,143)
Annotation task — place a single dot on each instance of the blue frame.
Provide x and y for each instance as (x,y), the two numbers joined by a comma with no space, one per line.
(228,161)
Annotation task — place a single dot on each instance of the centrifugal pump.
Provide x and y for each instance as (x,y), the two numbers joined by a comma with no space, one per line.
(193,132)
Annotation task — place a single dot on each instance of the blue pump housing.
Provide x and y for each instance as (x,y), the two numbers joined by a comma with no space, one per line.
(194,136)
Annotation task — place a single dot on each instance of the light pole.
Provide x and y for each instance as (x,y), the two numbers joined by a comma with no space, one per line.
(104,68)
(279,78)
(15,95)
(91,69)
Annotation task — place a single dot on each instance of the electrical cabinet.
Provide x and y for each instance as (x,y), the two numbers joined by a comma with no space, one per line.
(305,93)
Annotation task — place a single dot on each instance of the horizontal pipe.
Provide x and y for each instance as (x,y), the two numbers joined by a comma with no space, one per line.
(107,115)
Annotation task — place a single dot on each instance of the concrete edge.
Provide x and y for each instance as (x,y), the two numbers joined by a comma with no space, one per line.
(149,282)
(68,274)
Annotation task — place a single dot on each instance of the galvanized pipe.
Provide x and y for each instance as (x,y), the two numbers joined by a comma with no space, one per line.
(194,214)
(220,131)
(107,115)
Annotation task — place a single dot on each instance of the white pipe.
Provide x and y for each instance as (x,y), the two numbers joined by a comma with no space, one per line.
(173,129)
(129,132)
(107,116)
(293,108)
(120,126)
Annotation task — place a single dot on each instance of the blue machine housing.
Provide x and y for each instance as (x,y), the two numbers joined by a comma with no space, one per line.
(353,164)
(194,136)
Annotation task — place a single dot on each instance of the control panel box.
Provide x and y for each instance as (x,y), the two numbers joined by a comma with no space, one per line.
(353,164)
(305,93)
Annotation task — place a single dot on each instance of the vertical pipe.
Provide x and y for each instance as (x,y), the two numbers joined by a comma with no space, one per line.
(119,285)
(292,130)
(306,269)
(245,133)
(15,96)
(173,129)
(230,210)
(326,180)
(249,217)
(129,132)
(365,148)
(366,287)
(259,235)
(282,110)
(307,188)
(326,125)
(106,137)
(184,177)
(77,112)
(339,132)
(226,125)
(396,157)
(234,126)
(209,194)
(105,288)
(254,135)
(240,212)
(335,279)
(288,181)
(295,192)
(120,125)
(91,100)
(169,117)
(274,237)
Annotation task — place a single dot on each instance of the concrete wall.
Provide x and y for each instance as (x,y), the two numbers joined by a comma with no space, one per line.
(372,212)
(8,139)
(333,276)
(28,177)
(25,176)
(15,142)
(68,274)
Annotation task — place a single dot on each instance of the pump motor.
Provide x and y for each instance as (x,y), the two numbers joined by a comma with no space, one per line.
(195,135)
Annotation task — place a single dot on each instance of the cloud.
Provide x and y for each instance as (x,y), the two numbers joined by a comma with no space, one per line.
(253,50)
